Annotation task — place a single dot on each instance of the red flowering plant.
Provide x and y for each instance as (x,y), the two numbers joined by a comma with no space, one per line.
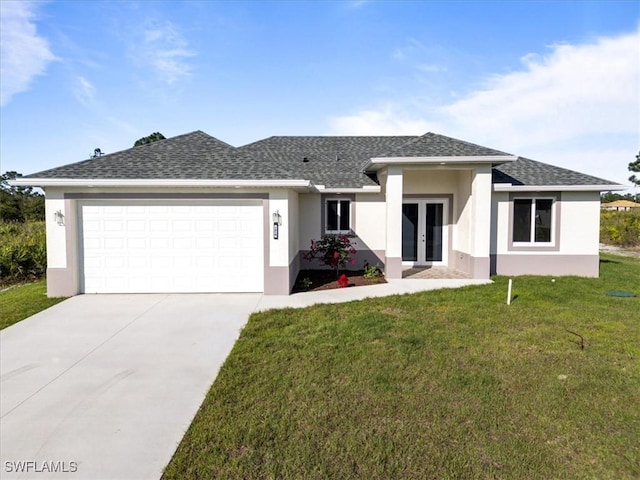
(332,250)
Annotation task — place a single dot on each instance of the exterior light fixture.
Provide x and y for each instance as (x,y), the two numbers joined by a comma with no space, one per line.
(277,221)
(59,217)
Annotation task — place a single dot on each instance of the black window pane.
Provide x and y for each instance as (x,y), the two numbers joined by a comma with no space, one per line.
(543,220)
(522,220)
(410,232)
(332,215)
(344,215)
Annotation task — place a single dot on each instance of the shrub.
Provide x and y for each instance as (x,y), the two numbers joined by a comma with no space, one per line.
(23,251)
(334,251)
(620,228)
(371,271)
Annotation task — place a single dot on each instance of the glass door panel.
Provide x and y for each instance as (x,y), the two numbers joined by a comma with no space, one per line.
(433,232)
(410,219)
(424,231)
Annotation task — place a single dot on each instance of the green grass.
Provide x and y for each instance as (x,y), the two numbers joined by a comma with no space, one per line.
(22,301)
(447,384)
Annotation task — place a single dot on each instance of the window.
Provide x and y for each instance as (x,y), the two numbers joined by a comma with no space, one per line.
(532,220)
(337,216)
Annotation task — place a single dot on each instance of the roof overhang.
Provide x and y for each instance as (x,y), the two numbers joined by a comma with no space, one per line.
(376,163)
(508,187)
(364,189)
(101,182)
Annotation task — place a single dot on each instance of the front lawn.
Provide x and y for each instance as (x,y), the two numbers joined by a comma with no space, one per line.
(441,384)
(22,301)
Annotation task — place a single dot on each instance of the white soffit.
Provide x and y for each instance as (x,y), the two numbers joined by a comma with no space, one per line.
(365,189)
(378,162)
(101,182)
(508,187)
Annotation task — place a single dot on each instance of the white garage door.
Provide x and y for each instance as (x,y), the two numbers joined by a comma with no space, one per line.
(149,248)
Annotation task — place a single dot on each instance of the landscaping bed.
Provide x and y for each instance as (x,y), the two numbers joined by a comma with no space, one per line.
(326,280)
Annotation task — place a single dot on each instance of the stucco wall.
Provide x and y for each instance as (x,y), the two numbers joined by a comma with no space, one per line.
(579,222)
(462,212)
(309,209)
(430,181)
(56,234)
(370,220)
(63,246)
(580,232)
(576,239)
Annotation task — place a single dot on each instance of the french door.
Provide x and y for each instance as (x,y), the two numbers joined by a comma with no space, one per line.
(425,236)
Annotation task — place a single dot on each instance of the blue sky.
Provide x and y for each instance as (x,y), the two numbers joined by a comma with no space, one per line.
(555,81)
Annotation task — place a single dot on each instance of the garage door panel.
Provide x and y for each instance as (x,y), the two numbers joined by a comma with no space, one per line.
(172,248)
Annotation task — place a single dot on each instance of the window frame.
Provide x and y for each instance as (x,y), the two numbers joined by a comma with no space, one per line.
(532,228)
(325,226)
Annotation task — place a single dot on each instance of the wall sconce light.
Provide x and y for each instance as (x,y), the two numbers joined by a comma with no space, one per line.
(59,217)
(277,218)
(277,221)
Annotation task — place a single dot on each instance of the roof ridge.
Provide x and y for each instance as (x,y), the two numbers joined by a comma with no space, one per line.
(413,140)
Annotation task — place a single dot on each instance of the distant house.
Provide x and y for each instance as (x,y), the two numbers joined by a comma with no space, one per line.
(624,205)
(194,214)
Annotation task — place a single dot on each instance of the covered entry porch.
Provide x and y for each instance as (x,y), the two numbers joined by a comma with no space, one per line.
(438,218)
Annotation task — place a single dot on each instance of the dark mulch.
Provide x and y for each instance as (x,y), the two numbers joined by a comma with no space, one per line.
(326,279)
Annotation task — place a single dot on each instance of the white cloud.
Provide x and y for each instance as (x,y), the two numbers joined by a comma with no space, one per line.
(410,49)
(23,53)
(84,91)
(578,107)
(386,121)
(164,48)
(574,91)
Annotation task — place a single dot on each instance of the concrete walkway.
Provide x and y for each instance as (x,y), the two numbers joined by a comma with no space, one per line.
(104,386)
(341,295)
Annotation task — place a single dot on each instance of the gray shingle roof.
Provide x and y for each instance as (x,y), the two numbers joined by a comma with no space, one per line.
(434,145)
(193,155)
(525,171)
(331,161)
(335,162)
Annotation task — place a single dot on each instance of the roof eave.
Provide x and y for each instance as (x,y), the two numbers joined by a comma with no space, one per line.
(157,182)
(363,189)
(376,163)
(508,187)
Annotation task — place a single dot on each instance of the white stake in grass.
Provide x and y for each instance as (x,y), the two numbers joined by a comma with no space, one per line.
(509,292)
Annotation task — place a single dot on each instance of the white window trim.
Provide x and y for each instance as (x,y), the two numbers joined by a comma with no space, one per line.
(532,231)
(326,215)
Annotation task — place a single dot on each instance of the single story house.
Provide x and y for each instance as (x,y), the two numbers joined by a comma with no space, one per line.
(194,214)
(620,205)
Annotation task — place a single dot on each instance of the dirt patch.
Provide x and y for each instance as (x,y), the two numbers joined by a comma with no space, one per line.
(627,252)
(315,280)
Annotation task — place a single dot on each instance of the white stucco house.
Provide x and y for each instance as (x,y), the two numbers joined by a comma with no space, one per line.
(194,214)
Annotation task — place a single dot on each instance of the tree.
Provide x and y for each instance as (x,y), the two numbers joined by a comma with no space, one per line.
(19,204)
(609,197)
(154,137)
(635,167)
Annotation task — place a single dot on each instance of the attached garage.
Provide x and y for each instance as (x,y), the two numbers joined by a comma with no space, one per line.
(171,246)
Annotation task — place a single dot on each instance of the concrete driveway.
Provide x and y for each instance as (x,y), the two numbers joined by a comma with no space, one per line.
(104,386)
